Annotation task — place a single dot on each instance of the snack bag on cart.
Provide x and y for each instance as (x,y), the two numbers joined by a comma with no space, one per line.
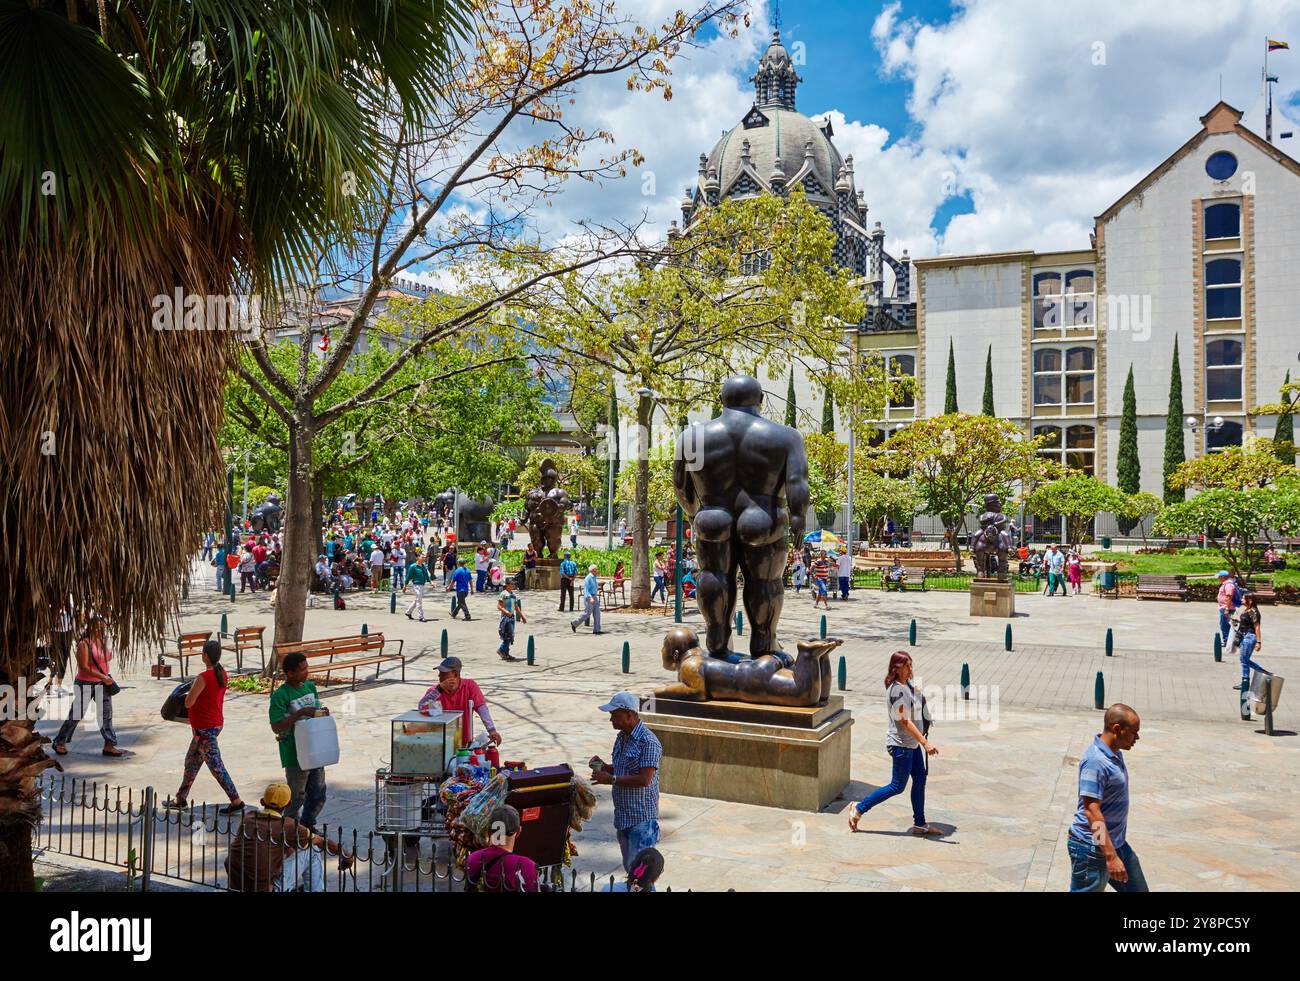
(480,807)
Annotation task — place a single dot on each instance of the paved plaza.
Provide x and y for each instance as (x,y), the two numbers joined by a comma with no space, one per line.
(1214,800)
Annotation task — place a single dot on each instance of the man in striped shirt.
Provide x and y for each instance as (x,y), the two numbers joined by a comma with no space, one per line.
(633,777)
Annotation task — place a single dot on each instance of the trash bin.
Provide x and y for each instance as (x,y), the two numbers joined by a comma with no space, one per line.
(1108,578)
(1105,543)
(1257,701)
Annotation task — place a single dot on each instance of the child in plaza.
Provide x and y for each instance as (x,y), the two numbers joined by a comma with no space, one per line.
(798,573)
(511,608)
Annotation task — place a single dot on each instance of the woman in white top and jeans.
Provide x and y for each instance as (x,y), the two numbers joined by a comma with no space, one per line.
(905,743)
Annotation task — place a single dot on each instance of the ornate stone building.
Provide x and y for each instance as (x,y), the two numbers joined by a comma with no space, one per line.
(775,148)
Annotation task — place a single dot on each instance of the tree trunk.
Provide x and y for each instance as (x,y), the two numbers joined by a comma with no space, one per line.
(18,809)
(299,538)
(318,509)
(956,549)
(640,597)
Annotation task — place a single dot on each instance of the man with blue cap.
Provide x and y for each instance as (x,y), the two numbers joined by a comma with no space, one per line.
(633,777)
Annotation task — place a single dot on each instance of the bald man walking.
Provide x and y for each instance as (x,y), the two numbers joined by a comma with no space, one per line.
(1098,838)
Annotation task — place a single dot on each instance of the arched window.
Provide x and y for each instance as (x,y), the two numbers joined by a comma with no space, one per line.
(902,366)
(1049,307)
(1223,220)
(1223,365)
(1223,289)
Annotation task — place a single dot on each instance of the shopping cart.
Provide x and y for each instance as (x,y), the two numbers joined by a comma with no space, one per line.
(407,810)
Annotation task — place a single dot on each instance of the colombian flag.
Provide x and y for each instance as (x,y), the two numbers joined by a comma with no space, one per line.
(1278,46)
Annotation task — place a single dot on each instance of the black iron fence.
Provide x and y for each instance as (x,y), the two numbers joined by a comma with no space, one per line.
(129,829)
(873,579)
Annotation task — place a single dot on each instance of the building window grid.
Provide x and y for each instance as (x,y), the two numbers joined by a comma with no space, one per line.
(1069,374)
(1080,445)
(1064,299)
(900,364)
(1222,220)
(1223,287)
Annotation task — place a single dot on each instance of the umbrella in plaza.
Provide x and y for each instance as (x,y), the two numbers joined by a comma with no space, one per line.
(827,539)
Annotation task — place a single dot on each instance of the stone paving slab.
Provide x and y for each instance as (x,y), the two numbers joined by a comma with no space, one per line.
(1214,800)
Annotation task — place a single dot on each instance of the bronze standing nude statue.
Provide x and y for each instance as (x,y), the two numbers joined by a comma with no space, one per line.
(743,481)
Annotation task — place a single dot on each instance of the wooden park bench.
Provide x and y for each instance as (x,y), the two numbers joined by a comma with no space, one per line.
(244,639)
(1261,587)
(355,652)
(1162,587)
(188,645)
(912,576)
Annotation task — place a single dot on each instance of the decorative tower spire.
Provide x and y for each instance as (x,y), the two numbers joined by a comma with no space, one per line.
(775,80)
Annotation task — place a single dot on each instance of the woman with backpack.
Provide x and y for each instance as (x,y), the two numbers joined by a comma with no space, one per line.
(204,703)
(905,743)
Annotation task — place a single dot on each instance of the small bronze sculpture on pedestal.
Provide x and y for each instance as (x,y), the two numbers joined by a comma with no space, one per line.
(989,548)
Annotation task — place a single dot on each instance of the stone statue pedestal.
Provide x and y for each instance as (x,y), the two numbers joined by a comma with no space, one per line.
(992,598)
(545,576)
(772,755)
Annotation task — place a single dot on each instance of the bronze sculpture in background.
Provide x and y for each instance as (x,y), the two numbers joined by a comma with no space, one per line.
(743,481)
(989,548)
(544,510)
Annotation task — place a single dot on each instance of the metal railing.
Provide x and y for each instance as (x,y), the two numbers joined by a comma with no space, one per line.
(129,829)
(942,581)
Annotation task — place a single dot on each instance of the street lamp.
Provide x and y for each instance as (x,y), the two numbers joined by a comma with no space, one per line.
(1210,426)
(611,444)
(648,393)
(247,453)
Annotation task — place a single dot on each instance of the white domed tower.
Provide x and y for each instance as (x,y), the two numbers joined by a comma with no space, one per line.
(773,149)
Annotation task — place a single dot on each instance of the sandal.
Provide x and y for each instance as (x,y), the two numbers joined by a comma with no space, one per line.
(175,804)
(114,751)
(61,749)
(236,808)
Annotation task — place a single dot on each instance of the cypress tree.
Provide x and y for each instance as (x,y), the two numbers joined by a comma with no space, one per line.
(790,407)
(1174,452)
(950,391)
(1128,468)
(612,419)
(1286,431)
(828,413)
(988,383)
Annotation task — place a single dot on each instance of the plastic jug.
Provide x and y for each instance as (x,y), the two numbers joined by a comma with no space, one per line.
(317,740)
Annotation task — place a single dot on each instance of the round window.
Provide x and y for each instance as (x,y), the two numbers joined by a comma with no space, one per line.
(1221,165)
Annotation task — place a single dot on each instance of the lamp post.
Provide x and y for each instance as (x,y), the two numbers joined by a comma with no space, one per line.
(648,393)
(851,341)
(247,453)
(611,442)
(1210,426)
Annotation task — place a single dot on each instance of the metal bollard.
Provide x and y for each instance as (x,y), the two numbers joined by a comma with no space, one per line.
(225,629)
(965,681)
(1110,642)
(1006,640)
(365,629)
(843,674)
(530,649)
(911,634)
(1268,705)
(392,602)
(823,626)
(443,645)
(627,656)
(1099,692)
(740,624)
(1218,648)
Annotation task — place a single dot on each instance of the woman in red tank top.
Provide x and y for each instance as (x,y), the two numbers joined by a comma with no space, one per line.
(204,703)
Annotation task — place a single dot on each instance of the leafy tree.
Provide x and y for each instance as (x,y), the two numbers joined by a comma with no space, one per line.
(1247,519)
(614,427)
(461,182)
(956,459)
(1134,509)
(1077,497)
(579,474)
(791,409)
(703,306)
(950,386)
(1234,467)
(1175,452)
(877,496)
(988,383)
(1284,409)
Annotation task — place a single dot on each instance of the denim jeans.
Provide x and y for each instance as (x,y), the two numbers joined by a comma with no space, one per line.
(308,788)
(632,840)
(906,762)
(83,693)
(303,868)
(660,588)
(844,587)
(1224,624)
(1248,642)
(1088,869)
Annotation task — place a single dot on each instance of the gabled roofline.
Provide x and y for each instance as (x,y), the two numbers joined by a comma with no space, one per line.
(1222,118)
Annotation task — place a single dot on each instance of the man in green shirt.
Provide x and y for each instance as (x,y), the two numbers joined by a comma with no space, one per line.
(417,577)
(297,699)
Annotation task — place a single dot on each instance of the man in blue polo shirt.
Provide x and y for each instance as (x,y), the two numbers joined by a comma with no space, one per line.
(633,777)
(1097,842)
(568,572)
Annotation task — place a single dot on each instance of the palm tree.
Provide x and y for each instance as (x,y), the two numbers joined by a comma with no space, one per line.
(153,150)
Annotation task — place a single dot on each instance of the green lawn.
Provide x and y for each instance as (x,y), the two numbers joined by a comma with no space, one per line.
(1189,562)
